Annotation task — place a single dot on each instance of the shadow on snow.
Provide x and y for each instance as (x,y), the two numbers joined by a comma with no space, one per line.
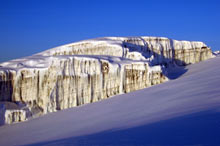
(201,128)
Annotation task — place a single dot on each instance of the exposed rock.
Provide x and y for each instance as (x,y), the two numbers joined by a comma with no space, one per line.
(92,70)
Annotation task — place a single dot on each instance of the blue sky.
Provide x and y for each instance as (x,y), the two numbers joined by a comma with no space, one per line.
(31,26)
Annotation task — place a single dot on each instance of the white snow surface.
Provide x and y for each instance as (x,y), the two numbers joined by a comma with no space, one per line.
(184,111)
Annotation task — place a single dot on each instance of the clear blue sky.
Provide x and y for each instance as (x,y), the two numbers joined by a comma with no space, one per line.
(31,26)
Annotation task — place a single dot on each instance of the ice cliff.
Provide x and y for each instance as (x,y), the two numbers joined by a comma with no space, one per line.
(89,71)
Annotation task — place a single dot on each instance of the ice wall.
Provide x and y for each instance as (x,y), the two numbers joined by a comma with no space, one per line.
(11,112)
(138,48)
(71,81)
(92,70)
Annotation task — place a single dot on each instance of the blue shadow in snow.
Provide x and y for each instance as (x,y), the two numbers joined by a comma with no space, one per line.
(201,128)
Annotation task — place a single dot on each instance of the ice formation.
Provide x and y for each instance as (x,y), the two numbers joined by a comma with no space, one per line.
(92,70)
(216,53)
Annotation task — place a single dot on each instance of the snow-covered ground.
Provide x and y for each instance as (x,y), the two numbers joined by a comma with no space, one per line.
(184,111)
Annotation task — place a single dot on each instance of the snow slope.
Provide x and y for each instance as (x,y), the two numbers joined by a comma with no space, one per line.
(184,111)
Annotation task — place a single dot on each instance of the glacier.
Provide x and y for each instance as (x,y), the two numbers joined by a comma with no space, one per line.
(184,111)
(88,71)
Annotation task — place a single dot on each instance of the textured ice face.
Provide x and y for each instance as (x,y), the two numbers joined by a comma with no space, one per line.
(135,48)
(92,70)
